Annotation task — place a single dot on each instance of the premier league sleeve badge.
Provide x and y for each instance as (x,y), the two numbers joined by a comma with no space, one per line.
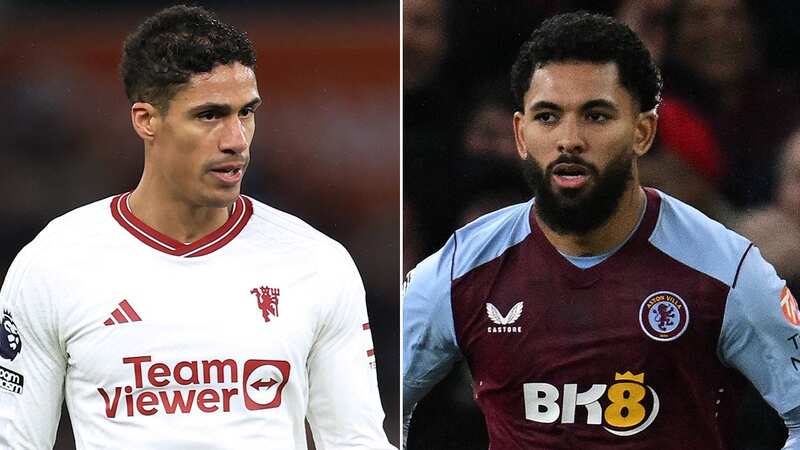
(10,343)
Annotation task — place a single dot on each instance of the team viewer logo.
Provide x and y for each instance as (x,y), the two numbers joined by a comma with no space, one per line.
(789,307)
(267,301)
(202,386)
(504,321)
(664,316)
(260,375)
(10,343)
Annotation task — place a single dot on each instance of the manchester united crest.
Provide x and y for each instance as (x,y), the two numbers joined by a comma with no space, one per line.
(664,316)
(267,301)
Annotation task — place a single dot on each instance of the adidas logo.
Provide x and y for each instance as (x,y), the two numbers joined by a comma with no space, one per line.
(125,313)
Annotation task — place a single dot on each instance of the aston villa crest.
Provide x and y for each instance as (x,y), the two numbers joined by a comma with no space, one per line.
(664,316)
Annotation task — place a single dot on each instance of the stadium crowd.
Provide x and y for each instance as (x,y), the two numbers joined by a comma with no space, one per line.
(728,142)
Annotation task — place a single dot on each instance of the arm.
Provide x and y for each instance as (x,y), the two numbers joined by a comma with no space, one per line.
(344,408)
(32,365)
(430,348)
(759,339)
(792,421)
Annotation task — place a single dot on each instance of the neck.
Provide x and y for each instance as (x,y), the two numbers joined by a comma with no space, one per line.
(609,235)
(172,216)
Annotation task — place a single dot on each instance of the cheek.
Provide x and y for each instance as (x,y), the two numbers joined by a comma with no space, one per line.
(250,129)
(183,160)
(616,140)
(249,135)
(538,141)
(194,144)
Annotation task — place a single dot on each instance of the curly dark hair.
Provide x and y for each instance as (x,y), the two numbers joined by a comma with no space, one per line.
(595,38)
(160,56)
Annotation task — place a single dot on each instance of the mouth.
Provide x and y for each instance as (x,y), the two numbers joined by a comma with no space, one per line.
(570,176)
(229,174)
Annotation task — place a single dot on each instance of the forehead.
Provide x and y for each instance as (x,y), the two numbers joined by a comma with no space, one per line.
(225,84)
(575,83)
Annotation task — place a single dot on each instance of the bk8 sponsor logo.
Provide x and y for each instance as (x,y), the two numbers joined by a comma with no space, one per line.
(628,406)
(206,386)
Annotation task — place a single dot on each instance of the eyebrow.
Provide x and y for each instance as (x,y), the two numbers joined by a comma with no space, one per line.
(595,103)
(599,103)
(545,105)
(222,107)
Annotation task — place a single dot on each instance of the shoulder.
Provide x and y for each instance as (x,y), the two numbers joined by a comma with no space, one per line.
(275,227)
(68,232)
(695,240)
(80,222)
(65,235)
(489,236)
(476,243)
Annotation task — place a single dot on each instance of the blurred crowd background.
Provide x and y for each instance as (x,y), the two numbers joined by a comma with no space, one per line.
(728,141)
(326,147)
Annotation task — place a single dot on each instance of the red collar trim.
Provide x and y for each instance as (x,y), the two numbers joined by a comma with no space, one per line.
(242,210)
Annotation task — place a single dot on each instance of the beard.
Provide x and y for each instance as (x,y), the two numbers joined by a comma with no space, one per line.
(582,210)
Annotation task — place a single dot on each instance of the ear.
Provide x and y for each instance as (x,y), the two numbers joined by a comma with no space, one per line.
(645,132)
(519,135)
(145,119)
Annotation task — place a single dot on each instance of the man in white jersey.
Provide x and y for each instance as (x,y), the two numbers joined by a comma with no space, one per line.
(183,314)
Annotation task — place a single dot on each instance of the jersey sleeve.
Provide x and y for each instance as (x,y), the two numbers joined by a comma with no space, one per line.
(760,333)
(32,363)
(430,348)
(792,421)
(344,408)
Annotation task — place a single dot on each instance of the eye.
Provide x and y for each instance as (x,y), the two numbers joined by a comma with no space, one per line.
(545,117)
(209,115)
(598,117)
(247,112)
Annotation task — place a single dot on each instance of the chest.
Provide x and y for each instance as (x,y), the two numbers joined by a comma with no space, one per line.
(214,330)
(649,314)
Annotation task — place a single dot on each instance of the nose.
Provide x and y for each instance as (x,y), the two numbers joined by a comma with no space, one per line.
(234,136)
(570,137)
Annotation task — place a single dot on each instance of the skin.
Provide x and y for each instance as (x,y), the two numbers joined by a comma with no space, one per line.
(583,109)
(209,124)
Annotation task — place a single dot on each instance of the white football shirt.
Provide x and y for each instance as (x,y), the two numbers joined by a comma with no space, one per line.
(229,342)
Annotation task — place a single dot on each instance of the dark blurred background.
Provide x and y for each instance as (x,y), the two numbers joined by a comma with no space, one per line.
(728,141)
(326,147)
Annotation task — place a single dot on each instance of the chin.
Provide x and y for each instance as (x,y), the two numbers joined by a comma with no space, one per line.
(571,195)
(220,199)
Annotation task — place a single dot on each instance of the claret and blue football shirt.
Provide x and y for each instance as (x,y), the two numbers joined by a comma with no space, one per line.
(647,347)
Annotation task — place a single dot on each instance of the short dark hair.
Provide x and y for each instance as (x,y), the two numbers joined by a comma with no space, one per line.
(595,38)
(165,50)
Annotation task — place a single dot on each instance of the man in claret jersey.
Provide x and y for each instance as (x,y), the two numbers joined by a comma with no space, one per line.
(184,314)
(600,314)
